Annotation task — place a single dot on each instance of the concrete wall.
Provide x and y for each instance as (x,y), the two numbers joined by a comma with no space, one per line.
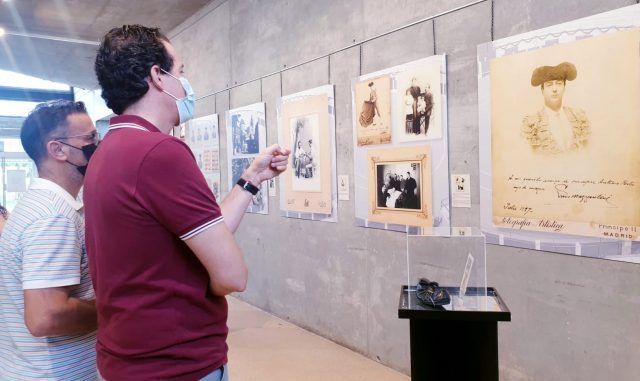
(573,318)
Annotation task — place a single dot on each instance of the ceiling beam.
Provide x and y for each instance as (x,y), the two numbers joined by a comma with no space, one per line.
(51,38)
(33,95)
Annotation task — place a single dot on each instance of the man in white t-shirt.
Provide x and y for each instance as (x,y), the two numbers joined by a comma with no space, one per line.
(47,309)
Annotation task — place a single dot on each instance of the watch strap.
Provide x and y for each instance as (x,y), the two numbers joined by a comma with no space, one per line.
(246,185)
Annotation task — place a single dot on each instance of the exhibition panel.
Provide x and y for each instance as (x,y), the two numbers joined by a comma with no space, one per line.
(560,165)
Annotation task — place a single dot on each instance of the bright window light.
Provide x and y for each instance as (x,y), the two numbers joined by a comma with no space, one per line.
(12,79)
(12,145)
(16,108)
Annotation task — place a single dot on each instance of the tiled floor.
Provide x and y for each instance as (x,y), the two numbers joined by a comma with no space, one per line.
(263,347)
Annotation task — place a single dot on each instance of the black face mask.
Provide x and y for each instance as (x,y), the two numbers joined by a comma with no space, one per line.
(88,151)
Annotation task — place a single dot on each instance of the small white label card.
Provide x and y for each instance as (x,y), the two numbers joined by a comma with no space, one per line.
(461,191)
(466,275)
(343,187)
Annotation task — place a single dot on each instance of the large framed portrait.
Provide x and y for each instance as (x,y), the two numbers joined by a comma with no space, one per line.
(306,123)
(561,167)
(400,186)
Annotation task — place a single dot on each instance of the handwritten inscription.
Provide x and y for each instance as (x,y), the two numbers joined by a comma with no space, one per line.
(561,190)
(513,207)
(528,224)
(584,191)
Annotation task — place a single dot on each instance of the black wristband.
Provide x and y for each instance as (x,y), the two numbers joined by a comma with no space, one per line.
(244,184)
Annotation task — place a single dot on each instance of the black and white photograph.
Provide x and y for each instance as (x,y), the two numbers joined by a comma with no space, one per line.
(245,133)
(305,136)
(418,106)
(246,138)
(258,203)
(398,185)
(237,167)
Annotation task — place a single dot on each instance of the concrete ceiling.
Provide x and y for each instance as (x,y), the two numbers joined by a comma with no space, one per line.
(57,39)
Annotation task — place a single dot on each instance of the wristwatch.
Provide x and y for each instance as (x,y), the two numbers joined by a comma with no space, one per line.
(244,184)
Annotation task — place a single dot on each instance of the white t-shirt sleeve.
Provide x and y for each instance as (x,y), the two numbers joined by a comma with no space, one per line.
(51,254)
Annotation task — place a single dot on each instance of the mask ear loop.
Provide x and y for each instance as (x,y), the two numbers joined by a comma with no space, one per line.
(174,77)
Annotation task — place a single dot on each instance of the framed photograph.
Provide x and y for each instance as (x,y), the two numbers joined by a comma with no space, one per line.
(554,143)
(259,201)
(419,103)
(237,168)
(400,186)
(306,123)
(246,138)
(245,133)
(559,138)
(201,135)
(373,111)
(306,169)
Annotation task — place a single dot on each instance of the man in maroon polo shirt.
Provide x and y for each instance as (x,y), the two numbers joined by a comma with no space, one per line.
(161,249)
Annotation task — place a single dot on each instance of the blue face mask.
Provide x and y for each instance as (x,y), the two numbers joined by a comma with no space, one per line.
(186,105)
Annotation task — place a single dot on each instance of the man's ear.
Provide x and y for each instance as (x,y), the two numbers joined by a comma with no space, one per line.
(155,77)
(55,151)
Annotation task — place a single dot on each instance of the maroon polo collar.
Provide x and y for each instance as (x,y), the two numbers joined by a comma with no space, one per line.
(123,120)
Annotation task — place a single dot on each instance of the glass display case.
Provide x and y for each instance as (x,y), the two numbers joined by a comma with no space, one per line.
(455,258)
(463,328)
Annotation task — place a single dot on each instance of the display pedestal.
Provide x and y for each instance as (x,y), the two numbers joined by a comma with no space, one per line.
(458,341)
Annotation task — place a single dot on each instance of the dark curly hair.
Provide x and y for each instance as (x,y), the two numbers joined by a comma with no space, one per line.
(42,124)
(123,62)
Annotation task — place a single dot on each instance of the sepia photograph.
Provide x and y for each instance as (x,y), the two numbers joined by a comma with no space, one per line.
(564,143)
(373,111)
(245,133)
(556,127)
(305,124)
(419,103)
(306,171)
(398,185)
